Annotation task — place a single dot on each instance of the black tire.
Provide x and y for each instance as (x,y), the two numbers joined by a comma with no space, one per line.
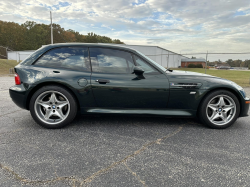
(72,106)
(202,113)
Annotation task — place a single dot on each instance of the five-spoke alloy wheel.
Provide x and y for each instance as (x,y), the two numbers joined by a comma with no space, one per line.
(53,107)
(219,109)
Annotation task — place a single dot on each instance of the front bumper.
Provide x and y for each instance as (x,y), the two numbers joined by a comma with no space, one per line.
(18,95)
(245,107)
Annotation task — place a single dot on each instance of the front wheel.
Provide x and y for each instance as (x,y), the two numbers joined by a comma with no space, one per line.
(53,107)
(219,109)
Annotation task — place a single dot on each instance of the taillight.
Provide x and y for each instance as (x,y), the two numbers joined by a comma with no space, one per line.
(17,79)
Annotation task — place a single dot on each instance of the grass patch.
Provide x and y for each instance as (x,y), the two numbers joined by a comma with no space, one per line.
(240,77)
(5,65)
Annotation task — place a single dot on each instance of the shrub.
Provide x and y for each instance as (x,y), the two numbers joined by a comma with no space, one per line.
(195,66)
(199,66)
(191,66)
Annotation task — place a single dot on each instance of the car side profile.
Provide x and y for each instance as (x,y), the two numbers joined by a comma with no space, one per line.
(223,67)
(60,80)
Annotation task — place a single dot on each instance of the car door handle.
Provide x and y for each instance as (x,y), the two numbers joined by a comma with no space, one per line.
(102,81)
(56,71)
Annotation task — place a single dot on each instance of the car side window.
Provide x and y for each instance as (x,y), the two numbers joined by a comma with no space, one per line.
(111,61)
(74,58)
(145,66)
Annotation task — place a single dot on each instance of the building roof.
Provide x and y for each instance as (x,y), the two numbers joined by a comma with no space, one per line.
(193,60)
(157,47)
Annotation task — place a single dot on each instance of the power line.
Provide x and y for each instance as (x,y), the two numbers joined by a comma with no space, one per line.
(202,54)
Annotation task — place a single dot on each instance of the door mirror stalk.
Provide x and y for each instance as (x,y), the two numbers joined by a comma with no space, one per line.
(138,70)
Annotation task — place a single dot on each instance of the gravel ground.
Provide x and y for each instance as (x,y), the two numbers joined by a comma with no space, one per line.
(247,90)
(120,151)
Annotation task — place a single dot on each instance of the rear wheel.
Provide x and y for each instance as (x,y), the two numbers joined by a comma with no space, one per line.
(219,109)
(53,107)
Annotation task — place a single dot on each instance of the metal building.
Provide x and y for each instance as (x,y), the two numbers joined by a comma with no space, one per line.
(160,55)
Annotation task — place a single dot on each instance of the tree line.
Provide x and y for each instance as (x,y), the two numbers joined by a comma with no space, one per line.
(31,36)
(232,63)
(238,63)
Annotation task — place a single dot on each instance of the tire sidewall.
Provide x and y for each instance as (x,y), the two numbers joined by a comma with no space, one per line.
(203,116)
(66,93)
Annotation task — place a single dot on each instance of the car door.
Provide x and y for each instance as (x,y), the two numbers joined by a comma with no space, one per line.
(115,86)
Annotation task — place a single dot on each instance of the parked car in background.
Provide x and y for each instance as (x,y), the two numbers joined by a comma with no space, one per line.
(60,80)
(223,67)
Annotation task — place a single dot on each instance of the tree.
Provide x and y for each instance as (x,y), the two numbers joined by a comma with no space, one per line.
(230,62)
(117,41)
(31,36)
(238,63)
(11,35)
(246,63)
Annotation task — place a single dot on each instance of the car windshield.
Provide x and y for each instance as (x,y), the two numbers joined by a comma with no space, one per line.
(153,62)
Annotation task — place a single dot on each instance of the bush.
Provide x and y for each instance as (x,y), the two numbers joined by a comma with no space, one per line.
(199,66)
(195,66)
(191,66)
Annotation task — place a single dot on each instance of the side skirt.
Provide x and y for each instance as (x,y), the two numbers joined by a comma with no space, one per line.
(166,112)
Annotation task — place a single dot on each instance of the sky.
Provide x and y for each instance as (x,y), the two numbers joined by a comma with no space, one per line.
(182,26)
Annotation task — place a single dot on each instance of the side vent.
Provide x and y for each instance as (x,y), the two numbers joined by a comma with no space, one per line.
(185,85)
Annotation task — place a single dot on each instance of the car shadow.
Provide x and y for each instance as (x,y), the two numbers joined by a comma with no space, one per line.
(134,120)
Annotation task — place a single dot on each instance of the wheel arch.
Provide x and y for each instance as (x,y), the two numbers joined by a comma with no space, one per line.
(38,86)
(221,88)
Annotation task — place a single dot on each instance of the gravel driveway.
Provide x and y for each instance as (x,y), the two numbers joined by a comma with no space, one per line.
(120,151)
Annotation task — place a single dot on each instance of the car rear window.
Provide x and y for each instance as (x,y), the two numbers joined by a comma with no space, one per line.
(74,58)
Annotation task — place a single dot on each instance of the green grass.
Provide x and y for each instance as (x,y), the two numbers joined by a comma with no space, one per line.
(5,65)
(240,77)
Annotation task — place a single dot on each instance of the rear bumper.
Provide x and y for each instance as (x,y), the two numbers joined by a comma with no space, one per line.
(18,95)
(245,107)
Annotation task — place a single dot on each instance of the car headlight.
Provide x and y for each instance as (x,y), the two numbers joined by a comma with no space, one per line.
(241,90)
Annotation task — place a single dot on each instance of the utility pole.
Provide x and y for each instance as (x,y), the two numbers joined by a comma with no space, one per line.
(168,59)
(7,53)
(51,27)
(18,57)
(161,57)
(206,63)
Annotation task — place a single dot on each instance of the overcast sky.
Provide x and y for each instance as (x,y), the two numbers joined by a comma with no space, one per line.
(182,26)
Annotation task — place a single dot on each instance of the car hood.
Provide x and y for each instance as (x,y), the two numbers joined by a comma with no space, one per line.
(189,75)
(177,72)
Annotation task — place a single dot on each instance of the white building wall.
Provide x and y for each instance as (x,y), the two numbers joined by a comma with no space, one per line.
(149,51)
(161,56)
(19,55)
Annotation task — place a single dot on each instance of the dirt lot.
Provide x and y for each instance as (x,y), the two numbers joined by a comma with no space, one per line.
(120,151)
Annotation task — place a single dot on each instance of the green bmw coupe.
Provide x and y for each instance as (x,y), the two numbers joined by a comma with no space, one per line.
(58,81)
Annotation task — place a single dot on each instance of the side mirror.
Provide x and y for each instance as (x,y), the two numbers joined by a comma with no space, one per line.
(138,70)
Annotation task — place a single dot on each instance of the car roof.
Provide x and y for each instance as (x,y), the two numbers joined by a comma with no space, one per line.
(89,45)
